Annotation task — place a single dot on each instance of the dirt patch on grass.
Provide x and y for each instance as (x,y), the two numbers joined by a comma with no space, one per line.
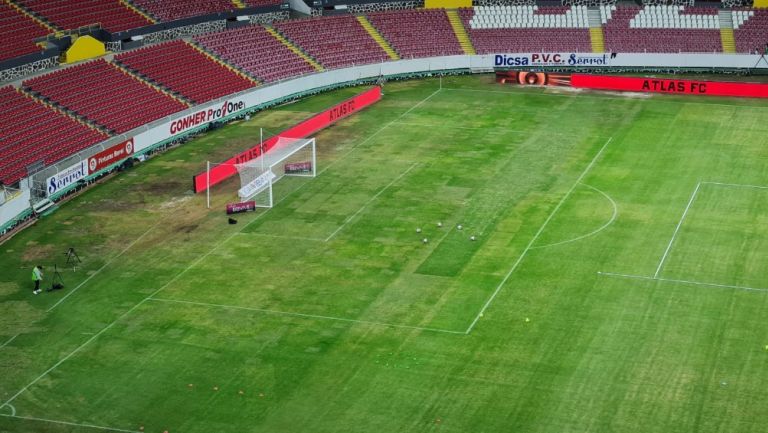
(8,288)
(19,317)
(35,252)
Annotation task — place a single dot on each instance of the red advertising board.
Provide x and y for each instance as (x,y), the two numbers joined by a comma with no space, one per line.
(670,86)
(303,129)
(245,206)
(107,157)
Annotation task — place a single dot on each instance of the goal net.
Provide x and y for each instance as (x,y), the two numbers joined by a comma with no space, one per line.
(287,157)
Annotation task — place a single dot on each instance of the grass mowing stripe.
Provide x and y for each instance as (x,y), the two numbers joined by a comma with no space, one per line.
(308,316)
(672,280)
(381,191)
(536,236)
(104,266)
(679,224)
(199,259)
(594,232)
(73,424)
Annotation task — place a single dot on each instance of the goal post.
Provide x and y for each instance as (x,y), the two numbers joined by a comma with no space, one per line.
(287,157)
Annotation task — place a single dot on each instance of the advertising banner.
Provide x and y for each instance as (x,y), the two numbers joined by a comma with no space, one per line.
(110,156)
(670,86)
(246,206)
(301,130)
(552,59)
(66,177)
(298,167)
(256,185)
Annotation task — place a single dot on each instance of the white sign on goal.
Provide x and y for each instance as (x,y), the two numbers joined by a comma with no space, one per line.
(287,157)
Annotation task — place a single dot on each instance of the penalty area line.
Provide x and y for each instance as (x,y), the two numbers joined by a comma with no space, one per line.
(677,229)
(672,280)
(536,236)
(306,316)
(9,341)
(371,200)
(73,424)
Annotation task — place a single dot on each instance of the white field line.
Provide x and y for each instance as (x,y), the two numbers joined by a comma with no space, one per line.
(679,224)
(306,316)
(71,292)
(371,200)
(599,95)
(536,236)
(695,283)
(738,185)
(9,341)
(185,270)
(594,232)
(73,424)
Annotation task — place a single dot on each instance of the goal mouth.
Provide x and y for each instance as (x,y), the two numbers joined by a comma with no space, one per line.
(287,157)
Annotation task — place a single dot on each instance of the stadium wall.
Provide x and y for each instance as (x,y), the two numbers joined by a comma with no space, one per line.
(175,128)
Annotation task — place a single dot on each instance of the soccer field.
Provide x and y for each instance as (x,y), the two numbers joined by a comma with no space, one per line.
(617,280)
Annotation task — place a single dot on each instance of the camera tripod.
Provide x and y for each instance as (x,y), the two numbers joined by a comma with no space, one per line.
(72,257)
(56,281)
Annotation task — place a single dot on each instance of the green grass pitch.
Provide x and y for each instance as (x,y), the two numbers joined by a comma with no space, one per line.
(618,279)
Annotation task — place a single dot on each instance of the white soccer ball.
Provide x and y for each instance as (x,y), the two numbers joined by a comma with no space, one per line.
(418,230)
(459,227)
(471,238)
(439,224)
(425,240)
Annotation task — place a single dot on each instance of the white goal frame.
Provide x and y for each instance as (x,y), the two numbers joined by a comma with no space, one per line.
(267,162)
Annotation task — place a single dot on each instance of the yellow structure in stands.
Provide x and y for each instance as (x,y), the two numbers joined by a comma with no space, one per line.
(761,4)
(449,4)
(84,47)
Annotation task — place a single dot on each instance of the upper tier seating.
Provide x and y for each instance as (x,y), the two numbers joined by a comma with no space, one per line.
(335,41)
(504,17)
(257,3)
(71,14)
(752,34)
(574,37)
(417,32)
(101,92)
(256,51)
(169,10)
(31,132)
(677,17)
(17,33)
(181,68)
(622,36)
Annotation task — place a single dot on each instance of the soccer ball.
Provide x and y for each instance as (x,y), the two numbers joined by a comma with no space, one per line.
(425,240)
(471,238)
(439,224)
(418,230)
(459,227)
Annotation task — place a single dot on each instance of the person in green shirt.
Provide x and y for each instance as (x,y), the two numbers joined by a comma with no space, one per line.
(37,277)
